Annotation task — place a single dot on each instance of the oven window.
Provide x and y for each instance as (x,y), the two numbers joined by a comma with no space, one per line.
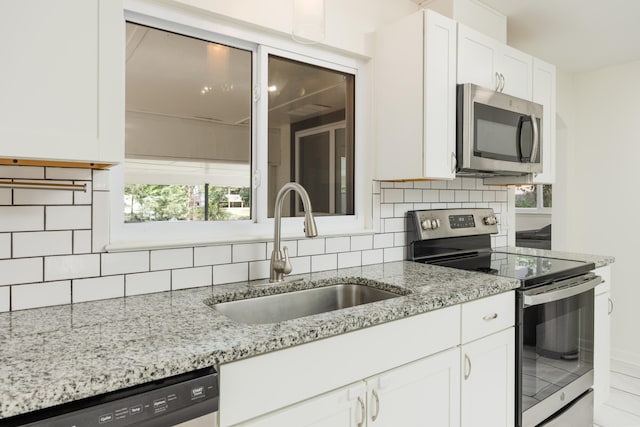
(557,346)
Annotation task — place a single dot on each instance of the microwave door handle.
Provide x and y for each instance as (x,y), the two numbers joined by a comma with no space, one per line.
(536,139)
(521,120)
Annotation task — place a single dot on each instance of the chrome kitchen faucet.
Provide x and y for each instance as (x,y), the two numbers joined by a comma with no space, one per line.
(280,265)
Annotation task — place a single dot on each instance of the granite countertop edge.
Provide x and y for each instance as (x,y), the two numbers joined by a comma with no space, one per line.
(54,355)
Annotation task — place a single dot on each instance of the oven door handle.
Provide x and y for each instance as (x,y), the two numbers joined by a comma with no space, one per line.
(560,290)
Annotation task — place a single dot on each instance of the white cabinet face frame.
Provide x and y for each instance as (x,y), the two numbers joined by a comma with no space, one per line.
(125,236)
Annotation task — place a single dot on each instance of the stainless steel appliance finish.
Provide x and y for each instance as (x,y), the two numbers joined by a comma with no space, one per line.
(291,305)
(497,134)
(579,413)
(186,400)
(554,309)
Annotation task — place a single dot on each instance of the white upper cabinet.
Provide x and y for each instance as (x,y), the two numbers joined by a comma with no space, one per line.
(415,98)
(488,63)
(544,93)
(62,80)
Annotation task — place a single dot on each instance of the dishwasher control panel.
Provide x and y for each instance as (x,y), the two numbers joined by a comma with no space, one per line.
(155,404)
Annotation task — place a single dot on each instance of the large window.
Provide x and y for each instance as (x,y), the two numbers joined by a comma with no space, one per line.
(216,125)
(188,128)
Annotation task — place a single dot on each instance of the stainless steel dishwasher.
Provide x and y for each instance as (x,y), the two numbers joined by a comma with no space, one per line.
(186,400)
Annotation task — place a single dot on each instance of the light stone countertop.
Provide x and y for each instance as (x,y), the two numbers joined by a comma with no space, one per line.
(54,355)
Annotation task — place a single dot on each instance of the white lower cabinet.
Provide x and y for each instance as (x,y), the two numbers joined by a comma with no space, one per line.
(603,306)
(488,381)
(450,367)
(425,392)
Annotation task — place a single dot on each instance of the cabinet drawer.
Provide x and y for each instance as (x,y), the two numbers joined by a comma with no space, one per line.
(487,315)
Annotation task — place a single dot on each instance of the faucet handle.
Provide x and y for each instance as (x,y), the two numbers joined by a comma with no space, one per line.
(286,268)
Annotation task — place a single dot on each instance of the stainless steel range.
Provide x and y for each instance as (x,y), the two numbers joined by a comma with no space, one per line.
(554,311)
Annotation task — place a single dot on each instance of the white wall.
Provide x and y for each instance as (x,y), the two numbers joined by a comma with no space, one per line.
(597,185)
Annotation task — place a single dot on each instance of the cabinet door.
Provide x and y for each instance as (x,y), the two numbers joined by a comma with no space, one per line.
(422,393)
(439,97)
(414,91)
(476,58)
(62,80)
(515,68)
(602,337)
(488,381)
(544,93)
(345,407)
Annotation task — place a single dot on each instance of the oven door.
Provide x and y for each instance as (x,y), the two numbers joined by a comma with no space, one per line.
(555,351)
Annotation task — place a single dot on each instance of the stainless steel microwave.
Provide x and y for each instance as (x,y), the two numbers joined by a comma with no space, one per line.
(497,134)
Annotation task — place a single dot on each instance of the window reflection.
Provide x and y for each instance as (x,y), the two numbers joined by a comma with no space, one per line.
(188,128)
(311,135)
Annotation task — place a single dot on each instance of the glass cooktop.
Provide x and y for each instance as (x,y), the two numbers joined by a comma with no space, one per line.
(531,270)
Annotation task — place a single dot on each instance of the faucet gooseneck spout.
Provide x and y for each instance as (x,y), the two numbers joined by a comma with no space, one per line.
(280,264)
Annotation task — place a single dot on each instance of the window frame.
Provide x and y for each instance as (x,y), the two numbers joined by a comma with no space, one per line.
(539,209)
(127,236)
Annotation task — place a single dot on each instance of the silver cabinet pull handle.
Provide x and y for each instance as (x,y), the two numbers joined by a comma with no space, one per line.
(490,317)
(498,81)
(467,372)
(362,412)
(454,162)
(377,399)
(610,306)
(501,82)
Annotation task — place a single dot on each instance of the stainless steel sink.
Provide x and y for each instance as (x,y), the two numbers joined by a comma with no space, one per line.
(291,305)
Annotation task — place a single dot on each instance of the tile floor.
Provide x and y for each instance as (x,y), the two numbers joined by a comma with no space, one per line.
(623,407)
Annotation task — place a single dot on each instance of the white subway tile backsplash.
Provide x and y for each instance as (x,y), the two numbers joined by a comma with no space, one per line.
(291,245)
(83,197)
(100,180)
(383,240)
(5,296)
(350,259)
(124,262)
(468,183)
(23,172)
(393,254)
(375,210)
(212,255)
(75,174)
(230,273)
(21,218)
(431,196)
(422,184)
(372,257)
(42,197)
(400,209)
(338,244)
(455,184)
(488,196)
(40,243)
(101,208)
(5,245)
(501,196)
(20,270)
(447,196)
(5,196)
(81,241)
(324,262)
(412,196)
(399,239)
(375,187)
(191,277)
(146,283)
(392,195)
(301,265)
(461,196)
(68,217)
(386,184)
(439,185)
(259,269)
(501,241)
(387,210)
(475,196)
(403,184)
(97,288)
(165,259)
(71,267)
(40,295)
(310,247)
(392,225)
(359,243)
(249,252)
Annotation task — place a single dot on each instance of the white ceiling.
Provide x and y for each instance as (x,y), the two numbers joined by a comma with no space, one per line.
(575,35)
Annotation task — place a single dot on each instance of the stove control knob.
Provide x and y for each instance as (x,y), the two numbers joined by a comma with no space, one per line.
(430,224)
(490,220)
